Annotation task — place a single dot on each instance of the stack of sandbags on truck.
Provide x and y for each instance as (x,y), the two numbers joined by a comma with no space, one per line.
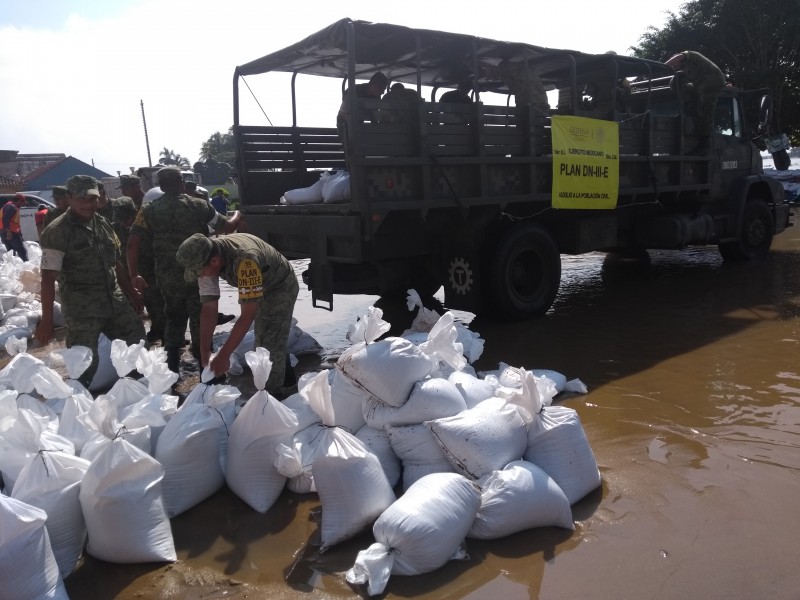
(261,425)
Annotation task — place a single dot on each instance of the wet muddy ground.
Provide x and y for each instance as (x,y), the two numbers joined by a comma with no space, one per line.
(693,413)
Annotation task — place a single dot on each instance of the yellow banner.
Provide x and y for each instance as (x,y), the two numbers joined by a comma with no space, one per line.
(585,162)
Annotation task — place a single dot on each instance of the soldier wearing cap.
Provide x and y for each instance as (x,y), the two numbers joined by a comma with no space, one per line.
(268,291)
(697,83)
(164,225)
(61,200)
(105,206)
(82,250)
(130,185)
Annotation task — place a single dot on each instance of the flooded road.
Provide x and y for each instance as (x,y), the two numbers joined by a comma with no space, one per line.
(693,413)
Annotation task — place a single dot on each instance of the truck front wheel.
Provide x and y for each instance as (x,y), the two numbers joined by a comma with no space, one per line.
(525,272)
(754,236)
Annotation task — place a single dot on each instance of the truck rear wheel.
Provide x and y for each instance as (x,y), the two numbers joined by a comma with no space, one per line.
(525,272)
(755,234)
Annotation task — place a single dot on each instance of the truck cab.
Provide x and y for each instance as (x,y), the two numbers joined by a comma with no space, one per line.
(484,197)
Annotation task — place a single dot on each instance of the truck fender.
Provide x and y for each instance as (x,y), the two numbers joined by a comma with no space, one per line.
(749,186)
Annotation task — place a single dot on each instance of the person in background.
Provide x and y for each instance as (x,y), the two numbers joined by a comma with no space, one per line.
(697,83)
(373,89)
(130,186)
(268,290)
(105,207)
(38,219)
(525,85)
(219,200)
(460,95)
(61,201)
(91,283)
(403,105)
(124,216)
(10,226)
(163,225)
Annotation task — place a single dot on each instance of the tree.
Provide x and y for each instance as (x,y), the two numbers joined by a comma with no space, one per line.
(170,157)
(754,42)
(220,147)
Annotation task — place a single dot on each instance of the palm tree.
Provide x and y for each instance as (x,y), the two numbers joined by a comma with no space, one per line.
(170,157)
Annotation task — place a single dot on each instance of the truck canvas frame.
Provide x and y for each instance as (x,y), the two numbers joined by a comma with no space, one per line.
(484,197)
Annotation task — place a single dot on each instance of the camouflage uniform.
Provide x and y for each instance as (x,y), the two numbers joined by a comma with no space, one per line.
(85,255)
(526,86)
(52,215)
(163,225)
(261,274)
(107,211)
(124,209)
(699,83)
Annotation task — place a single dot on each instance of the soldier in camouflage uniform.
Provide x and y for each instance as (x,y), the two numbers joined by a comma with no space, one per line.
(697,82)
(130,186)
(82,250)
(105,205)
(124,216)
(61,201)
(163,225)
(526,86)
(268,290)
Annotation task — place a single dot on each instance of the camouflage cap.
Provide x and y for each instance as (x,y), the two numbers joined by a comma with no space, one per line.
(193,255)
(126,180)
(59,190)
(168,173)
(82,185)
(124,209)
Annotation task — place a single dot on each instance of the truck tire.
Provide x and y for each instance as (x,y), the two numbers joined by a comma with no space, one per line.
(525,272)
(755,234)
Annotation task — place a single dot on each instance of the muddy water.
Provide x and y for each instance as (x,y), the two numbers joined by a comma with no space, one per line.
(693,412)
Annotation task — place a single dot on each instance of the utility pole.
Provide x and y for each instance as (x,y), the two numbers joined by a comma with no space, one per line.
(146,139)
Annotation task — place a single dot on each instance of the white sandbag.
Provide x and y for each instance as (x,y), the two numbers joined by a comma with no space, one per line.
(152,363)
(37,407)
(128,391)
(347,400)
(15,345)
(431,398)
(307,195)
(51,481)
(70,427)
(305,415)
(557,443)
(189,450)
(377,440)
(300,342)
(223,399)
(153,411)
(473,389)
(560,381)
(336,188)
(518,497)
(260,426)
(482,439)
(28,568)
(121,501)
(416,447)
(103,419)
(105,376)
(386,369)
(26,373)
(295,460)
(23,439)
(351,484)
(420,532)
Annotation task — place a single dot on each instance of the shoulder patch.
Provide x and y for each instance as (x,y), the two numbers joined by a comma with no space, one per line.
(249,279)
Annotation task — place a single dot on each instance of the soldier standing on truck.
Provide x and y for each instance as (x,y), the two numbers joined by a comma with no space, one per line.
(697,83)
(130,186)
(526,86)
(268,291)
(164,225)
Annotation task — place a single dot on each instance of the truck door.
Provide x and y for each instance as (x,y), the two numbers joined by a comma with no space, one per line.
(732,152)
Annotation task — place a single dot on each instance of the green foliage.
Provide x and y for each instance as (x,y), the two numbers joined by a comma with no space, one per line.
(170,157)
(754,42)
(219,147)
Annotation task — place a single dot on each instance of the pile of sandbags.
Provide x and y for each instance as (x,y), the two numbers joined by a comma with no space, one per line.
(402,436)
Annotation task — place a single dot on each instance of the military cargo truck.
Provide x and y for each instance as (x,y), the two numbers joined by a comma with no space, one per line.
(484,197)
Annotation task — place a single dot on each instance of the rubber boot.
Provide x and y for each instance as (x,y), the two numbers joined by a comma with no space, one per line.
(174,359)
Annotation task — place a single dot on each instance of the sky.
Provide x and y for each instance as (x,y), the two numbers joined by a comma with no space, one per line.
(75,73)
